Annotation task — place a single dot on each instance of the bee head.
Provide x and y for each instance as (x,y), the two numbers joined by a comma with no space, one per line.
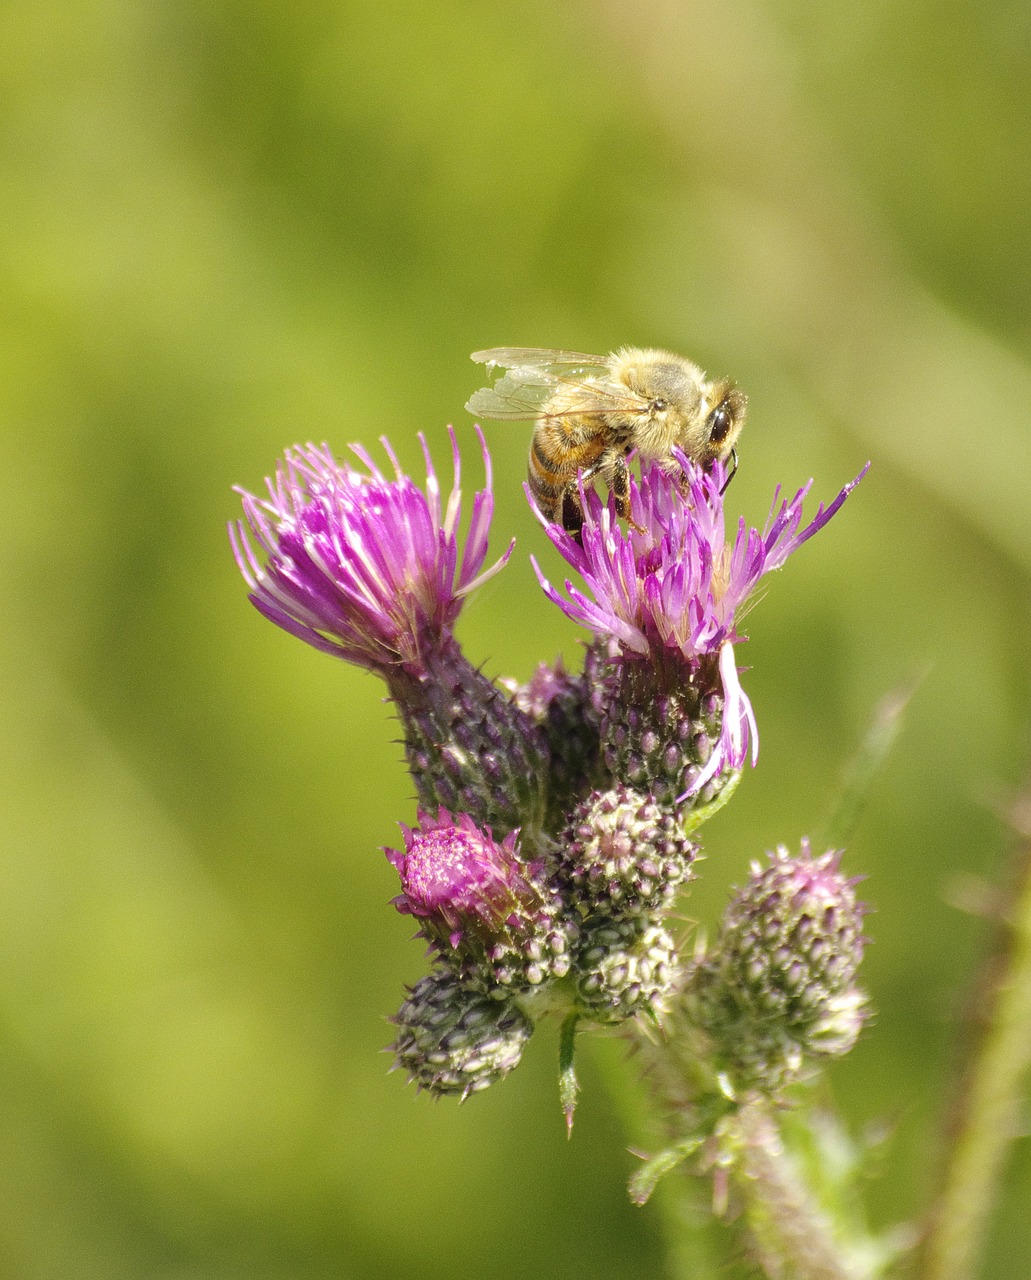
(725,418)
(680,407)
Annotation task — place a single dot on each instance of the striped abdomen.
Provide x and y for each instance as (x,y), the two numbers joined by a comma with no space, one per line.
(562,447)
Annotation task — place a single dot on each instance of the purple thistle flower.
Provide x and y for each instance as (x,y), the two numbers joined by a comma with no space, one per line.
(368,568)
(669,590)
(491,914)
(359,564)
(457,876)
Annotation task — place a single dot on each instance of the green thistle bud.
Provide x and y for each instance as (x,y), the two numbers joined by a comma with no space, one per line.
(622,970)
(660,729)
(778,985)
(624,855)
(454,1040)
(563,707)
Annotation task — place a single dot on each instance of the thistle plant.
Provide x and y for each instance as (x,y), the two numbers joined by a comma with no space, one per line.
(557,822)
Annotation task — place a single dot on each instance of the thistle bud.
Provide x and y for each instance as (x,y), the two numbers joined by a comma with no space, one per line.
(624,855)
(778,985)
(487,912)
(468,746)
(563,706)
(623,970)
(452,1039)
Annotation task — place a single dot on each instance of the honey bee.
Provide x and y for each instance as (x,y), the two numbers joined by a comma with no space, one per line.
(592,412)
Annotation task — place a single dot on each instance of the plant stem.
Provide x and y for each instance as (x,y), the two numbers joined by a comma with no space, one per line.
(791,1235)
(984,1118)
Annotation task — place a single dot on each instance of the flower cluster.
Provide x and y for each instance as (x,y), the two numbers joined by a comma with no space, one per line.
(556,819)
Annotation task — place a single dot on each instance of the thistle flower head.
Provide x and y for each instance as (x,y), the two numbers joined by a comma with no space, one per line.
(487,912)
(669,588)
(778,985)
(624,856)
(793,935)
(458,877)
(625,968)
(675,581)
(360,564)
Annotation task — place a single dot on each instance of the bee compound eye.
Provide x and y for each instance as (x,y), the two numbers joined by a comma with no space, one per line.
(659,405)
(719,424)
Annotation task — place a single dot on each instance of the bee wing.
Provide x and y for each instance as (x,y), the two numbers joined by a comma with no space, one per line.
(531,376)
(542,358)
(510,397)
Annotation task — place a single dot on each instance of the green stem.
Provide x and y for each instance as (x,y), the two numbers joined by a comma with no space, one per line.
(695,1245)
(791,1236)
(983,1123)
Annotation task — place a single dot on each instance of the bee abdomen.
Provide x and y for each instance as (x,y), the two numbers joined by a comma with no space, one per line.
(559,450)
(547,486)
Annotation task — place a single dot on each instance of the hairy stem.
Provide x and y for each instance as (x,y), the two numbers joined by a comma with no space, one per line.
(791,1236)
(984,1117)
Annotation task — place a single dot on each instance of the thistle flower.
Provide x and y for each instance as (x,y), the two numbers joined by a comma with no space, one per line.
(361,565)
(778,985)
(668,591)
(368,568)
(487,912)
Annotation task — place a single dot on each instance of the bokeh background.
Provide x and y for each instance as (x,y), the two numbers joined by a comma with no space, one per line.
(226,227)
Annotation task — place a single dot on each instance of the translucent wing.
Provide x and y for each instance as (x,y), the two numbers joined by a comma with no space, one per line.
(533,375)
(542,358)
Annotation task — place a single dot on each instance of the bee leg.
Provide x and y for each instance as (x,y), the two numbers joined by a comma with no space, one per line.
(571,512)
(619,484)
(730,474)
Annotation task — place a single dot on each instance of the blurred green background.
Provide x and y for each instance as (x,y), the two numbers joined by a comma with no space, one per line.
(226,227)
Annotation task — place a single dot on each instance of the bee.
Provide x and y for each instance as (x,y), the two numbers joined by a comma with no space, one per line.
(592,412)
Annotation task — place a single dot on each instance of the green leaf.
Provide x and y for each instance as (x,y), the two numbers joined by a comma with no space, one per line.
(644,1181)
